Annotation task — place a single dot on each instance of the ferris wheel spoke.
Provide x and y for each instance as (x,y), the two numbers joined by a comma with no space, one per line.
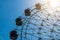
(57,32)
(34,24)
(30,34)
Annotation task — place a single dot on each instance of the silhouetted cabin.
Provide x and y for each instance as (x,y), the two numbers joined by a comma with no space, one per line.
(13,35)
(18,21)
(27,12)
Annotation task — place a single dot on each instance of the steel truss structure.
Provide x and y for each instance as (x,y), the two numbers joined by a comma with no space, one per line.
(37,24)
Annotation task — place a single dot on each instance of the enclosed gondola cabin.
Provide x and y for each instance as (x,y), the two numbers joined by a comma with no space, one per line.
(18,21)
(38,6)
(13,35)
(27,12)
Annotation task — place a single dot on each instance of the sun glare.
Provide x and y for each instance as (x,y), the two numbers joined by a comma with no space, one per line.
(54,3)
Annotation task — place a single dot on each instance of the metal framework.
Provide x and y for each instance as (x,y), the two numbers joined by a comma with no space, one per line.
(37,24)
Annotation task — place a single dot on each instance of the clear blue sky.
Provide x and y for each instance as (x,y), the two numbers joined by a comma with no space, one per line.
(9,10)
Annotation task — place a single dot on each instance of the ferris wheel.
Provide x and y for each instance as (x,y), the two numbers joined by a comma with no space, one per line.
(37,24)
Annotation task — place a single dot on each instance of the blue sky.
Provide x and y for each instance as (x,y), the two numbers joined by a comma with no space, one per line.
(9,10)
